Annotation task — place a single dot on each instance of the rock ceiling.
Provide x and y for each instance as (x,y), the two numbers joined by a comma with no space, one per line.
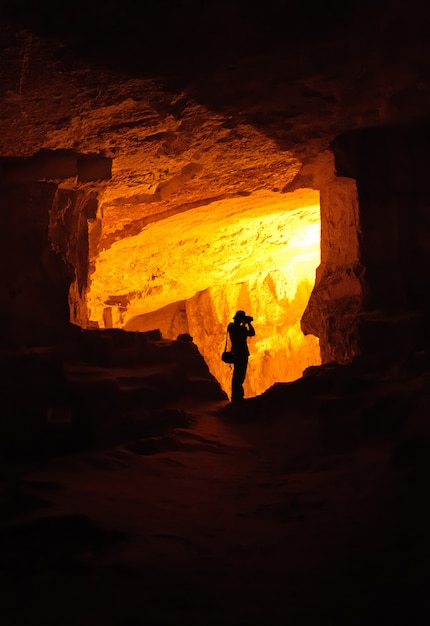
(214,132)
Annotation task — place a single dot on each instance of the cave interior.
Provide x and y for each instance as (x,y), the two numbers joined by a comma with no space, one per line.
(156,175)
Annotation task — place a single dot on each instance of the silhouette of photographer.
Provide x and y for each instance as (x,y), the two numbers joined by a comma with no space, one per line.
(239,330)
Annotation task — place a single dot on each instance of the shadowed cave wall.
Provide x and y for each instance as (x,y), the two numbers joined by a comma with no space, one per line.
(391,167)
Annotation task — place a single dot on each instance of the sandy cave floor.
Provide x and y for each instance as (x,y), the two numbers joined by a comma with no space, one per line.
(239,518)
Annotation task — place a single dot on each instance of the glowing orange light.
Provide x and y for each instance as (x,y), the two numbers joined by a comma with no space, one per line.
(191,271)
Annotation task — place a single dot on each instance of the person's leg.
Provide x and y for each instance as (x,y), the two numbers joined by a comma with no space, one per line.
(239,373)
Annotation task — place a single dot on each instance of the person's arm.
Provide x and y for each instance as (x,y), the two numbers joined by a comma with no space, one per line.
(250,331)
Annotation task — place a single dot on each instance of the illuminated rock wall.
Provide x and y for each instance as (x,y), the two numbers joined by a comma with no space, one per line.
(258,253)
(332,314)
(278,353)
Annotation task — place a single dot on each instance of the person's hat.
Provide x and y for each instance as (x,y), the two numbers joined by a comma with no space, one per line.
(239,315)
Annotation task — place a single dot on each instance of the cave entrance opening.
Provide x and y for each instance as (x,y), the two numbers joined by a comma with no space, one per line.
(190,272)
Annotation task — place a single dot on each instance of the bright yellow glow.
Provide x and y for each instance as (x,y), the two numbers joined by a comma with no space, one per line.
(191,271)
